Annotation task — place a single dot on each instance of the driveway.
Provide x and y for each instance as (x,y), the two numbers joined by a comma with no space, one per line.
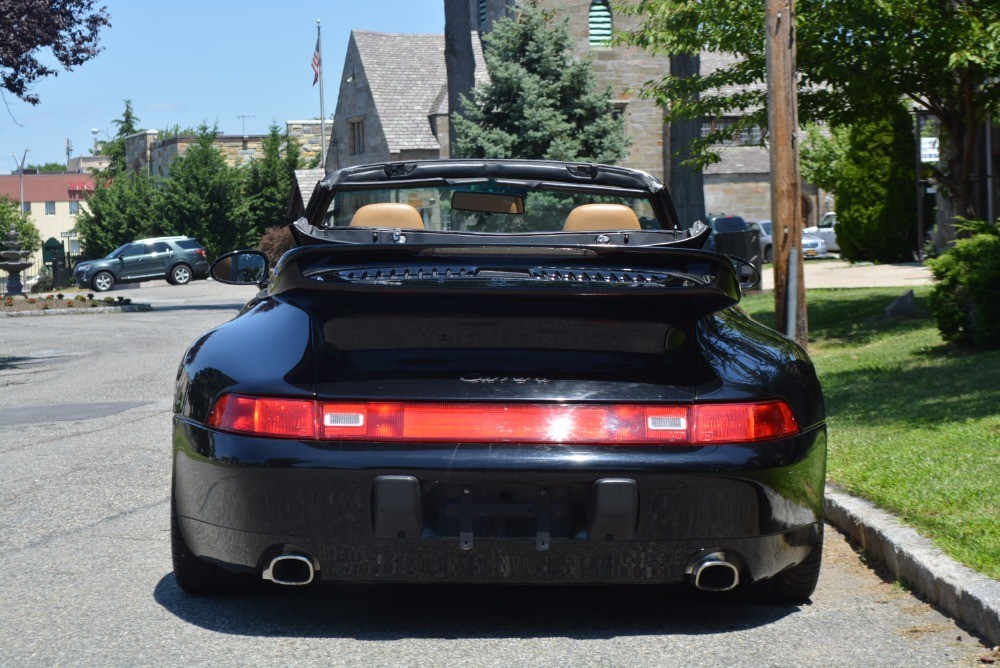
(840,274)
(85,573)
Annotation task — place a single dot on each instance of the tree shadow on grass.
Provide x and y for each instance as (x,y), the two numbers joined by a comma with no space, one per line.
(855,316)
(954,387)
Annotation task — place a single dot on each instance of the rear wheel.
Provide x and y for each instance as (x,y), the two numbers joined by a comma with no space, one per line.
(194,575)
(102,281)
(796,584)
(768,254)
(180,274)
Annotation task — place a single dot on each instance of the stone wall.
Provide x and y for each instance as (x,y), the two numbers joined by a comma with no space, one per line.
(744,195)
(307,134)
(622,69)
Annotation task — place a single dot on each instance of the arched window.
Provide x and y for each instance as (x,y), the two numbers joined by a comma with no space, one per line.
(600,23)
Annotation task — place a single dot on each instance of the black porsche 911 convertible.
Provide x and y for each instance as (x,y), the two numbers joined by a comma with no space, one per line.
(496,372)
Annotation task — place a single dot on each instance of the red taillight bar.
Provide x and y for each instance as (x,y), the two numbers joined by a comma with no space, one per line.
(608,424)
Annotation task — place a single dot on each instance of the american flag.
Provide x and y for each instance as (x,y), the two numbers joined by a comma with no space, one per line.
(317,63)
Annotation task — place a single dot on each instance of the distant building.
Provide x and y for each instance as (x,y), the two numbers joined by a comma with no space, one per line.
(393,99)
(52,200)
(83,164)
(393,102)
(303,185)
(146,151)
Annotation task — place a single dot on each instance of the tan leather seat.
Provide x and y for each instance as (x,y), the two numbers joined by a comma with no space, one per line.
(588,217)
(388,214)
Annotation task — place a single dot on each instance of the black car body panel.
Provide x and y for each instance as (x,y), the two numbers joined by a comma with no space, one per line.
(445,319)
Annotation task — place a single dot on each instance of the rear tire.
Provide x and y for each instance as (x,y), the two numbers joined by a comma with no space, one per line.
(795,585)
(180,275)
(194,575)
(768,255)
(102,281)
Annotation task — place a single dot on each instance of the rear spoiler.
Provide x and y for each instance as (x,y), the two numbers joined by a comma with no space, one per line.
(643,280)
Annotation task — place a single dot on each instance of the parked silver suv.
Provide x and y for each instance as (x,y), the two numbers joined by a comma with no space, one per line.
(177,259)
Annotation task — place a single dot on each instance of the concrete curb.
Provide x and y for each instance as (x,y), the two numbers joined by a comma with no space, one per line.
(124,308)
(970,597)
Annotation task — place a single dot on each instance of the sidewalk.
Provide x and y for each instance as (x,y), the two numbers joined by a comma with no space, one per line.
(840,274)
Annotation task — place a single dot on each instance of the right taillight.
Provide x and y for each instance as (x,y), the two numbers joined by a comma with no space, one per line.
(466,422)
(743,422)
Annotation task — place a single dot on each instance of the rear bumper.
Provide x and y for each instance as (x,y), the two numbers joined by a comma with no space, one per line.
(528,514)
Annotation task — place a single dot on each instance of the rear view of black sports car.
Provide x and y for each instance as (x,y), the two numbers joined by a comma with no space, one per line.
(493,372)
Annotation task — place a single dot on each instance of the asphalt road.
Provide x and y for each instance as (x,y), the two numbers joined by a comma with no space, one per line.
(85,574)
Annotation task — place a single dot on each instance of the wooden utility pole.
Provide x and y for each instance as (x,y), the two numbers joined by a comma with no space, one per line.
(786,202)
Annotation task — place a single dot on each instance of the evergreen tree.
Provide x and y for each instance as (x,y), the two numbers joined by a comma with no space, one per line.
(540,103)
(123,205)
(127,125)
(202,198)
(875,204)
(269,183)
(122,208)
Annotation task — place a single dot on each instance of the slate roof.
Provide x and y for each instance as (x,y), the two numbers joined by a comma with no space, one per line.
(406,74)
(306,180)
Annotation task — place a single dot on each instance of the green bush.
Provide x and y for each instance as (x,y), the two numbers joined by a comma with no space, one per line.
(876,209)
(966,298)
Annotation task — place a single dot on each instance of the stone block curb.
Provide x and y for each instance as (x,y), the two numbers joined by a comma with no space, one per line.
(124,308)
(969,597)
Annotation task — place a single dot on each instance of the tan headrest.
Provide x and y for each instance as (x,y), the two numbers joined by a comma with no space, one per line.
(601,217)
(388,214)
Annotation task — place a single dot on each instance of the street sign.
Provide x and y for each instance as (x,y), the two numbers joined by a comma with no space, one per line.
(67,235)
(929,149)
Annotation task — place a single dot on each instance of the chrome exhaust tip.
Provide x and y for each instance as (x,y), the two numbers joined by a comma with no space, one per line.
(714,572)
(290,569)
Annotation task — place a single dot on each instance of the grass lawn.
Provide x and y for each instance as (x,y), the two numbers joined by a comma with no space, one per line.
(914,423)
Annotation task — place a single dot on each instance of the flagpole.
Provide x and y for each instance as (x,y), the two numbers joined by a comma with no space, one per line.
(322,108)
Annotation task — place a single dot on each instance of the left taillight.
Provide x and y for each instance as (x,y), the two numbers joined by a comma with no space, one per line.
(430,422)
(264,416)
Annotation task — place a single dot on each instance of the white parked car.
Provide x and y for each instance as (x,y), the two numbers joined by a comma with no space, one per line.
(813,246)
(826,230)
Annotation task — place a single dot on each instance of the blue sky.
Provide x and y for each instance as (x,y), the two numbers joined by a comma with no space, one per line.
(184,62)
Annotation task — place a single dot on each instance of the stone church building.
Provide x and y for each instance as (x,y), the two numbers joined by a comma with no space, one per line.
(393,102)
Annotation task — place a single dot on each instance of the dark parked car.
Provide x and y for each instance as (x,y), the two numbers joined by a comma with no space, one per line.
(177,259)
(724,224)
(489,371)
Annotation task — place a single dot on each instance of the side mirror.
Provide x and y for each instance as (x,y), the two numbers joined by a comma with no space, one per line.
(747,272)
(243,267)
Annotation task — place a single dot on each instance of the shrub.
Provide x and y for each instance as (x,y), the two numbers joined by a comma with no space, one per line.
(44,282)
(966,299)
(876,211)
(276,242)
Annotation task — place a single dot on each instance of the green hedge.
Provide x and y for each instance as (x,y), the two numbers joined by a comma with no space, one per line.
(966,298)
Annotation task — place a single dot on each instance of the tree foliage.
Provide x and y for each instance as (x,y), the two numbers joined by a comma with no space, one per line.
(47,168)
(224,207)
(822,153)
(114,149)
(876,211)
(540,102)
(123,207)
(965,300)
(69,29)
(269,183)
(11,215)
(202,198)
(853,58)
